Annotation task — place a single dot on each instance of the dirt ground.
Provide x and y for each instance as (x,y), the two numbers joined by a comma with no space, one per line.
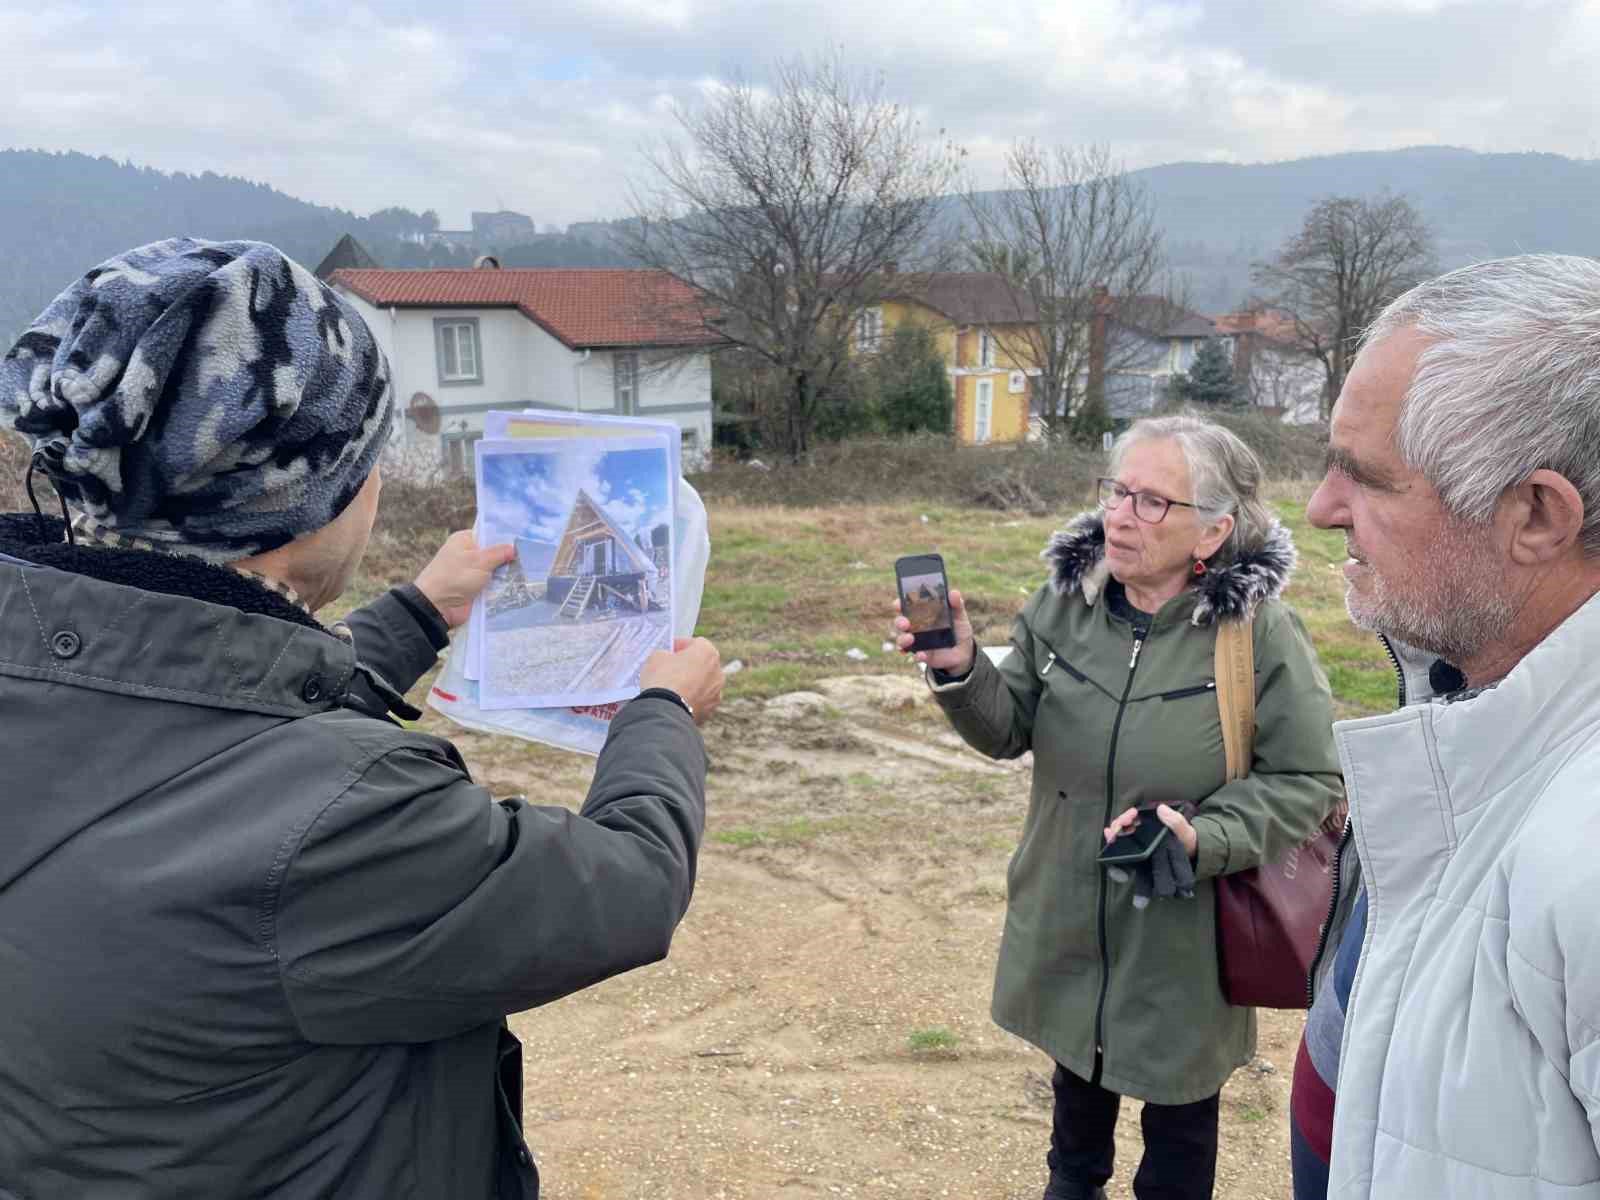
(821,1026)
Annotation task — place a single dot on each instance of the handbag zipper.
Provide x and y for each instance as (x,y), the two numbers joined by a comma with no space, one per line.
(1333,907)
(1344,840)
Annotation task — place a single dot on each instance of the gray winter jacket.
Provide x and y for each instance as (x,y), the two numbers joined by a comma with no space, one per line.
(1470,1063)
(256,940)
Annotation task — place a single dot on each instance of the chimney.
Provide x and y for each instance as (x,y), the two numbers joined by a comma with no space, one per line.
(1096,390)
(1244,349)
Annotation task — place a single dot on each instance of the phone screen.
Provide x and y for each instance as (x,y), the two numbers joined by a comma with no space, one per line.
(925,599)
(1138,843)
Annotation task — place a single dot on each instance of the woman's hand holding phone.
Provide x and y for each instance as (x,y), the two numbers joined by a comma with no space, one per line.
(955,660)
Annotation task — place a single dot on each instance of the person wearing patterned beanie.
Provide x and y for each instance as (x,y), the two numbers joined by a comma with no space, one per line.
(210,398)
(258,936)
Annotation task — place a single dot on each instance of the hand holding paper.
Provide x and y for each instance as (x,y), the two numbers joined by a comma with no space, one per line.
(693,669)
(458,572)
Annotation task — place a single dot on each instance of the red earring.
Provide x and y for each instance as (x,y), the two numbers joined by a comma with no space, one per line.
(1199,567)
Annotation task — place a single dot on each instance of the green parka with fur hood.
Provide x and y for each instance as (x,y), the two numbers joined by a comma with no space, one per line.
(1114,721)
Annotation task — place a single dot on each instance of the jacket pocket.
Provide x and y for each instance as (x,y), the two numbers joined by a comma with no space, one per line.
(516,1174)
(1200,689)
(1054,662)
(1052,666)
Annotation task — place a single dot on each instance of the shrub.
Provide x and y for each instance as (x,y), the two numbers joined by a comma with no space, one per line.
(906,386)
(1034,477)
(1286,451)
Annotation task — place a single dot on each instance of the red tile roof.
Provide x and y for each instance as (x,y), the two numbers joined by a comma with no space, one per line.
(582,308)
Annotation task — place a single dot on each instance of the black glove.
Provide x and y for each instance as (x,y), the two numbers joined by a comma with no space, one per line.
(1167,874)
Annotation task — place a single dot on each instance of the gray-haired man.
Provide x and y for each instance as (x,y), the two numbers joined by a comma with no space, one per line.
(257,938)
(1464,469)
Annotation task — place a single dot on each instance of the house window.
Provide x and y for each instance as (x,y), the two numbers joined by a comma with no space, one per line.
(625,383)
(460,361)
(869,329)
(985,348)
(983,416)
(458,453)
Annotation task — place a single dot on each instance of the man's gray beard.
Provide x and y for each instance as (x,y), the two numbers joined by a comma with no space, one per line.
(1457,609)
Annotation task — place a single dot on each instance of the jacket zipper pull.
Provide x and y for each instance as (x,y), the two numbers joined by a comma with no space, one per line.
(1138,645)
(1048,663)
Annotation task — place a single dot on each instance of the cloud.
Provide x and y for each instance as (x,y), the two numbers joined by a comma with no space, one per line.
(531,495)
(543,108)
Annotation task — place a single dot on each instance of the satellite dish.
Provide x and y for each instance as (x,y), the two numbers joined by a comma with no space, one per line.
(423,413)
(486,262)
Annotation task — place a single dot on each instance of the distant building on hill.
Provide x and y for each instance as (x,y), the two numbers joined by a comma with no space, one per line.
(502,229)
(451,239)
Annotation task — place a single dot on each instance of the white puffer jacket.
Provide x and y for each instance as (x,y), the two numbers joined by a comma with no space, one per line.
(1471,1057)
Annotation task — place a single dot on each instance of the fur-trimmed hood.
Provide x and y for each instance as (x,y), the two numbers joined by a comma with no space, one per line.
(1076,556)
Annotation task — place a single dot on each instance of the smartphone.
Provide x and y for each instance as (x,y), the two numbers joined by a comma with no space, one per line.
(925,600)
(1136,844)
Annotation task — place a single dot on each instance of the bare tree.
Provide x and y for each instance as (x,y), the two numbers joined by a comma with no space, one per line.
(1278,376)
(784,208)
(1351,257)
(1078,239)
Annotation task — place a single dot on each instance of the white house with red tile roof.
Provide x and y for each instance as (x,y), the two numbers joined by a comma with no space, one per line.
(597,341)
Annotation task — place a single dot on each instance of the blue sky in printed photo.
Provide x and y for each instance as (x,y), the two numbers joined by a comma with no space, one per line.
(531,495)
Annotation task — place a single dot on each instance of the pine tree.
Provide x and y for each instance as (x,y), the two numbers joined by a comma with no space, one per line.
(1210,378)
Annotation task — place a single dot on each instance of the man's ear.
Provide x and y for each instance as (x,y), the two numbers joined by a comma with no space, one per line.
(1545,516)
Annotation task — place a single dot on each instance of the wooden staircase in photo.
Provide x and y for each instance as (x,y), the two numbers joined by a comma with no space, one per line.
(578,598)
(620,655)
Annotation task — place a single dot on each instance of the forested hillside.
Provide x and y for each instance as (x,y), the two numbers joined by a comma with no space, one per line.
(61,213)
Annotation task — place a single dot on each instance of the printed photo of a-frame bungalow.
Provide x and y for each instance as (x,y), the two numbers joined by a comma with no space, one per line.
(597,564)
(572,617)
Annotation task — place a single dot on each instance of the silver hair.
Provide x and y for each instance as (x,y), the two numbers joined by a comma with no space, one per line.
(1510,383)
(1224,472)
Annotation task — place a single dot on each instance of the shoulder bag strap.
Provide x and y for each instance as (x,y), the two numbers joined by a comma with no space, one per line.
(1236,694)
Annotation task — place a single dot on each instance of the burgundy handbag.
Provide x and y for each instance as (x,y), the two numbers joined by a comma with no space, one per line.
(1269,918)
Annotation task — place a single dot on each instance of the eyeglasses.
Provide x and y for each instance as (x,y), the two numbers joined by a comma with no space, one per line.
(1147,506)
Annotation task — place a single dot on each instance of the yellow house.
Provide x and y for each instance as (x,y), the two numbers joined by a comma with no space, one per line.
(983,327)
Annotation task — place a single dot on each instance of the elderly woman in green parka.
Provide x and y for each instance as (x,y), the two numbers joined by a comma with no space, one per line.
(1109,682)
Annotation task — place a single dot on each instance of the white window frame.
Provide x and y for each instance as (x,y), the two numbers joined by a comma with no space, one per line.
(869,328)
(985,348)
(457,453)
(449,331)
(983,412)
(625,382)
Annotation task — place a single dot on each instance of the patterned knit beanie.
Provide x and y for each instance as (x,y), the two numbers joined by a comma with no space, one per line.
(210,398)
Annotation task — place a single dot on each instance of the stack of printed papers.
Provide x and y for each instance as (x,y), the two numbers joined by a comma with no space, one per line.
(610,565)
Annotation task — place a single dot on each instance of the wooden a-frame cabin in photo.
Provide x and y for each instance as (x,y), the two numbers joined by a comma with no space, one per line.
(596,561)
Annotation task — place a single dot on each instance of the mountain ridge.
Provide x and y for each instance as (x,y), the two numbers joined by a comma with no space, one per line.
(61,212)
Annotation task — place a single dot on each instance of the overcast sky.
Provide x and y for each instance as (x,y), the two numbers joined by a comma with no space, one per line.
(542,107)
